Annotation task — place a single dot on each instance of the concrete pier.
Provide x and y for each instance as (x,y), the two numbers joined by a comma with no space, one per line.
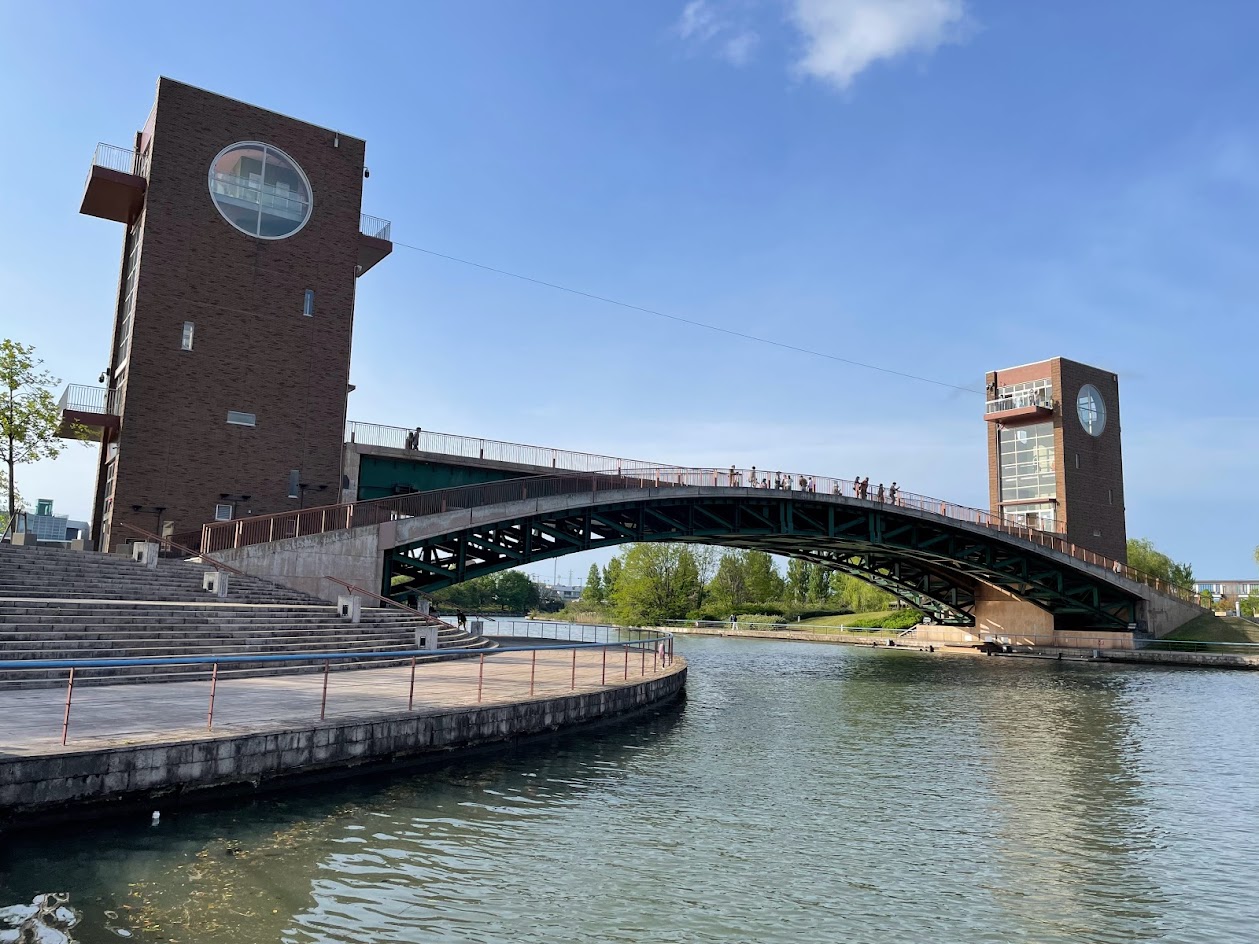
(148,746)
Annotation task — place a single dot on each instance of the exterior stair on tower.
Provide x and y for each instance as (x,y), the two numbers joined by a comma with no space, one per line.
(60,604)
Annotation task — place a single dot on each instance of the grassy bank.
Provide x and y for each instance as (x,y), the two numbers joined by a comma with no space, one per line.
(1208,628)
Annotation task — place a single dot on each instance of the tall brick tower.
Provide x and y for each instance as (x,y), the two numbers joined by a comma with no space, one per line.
(1055,459)
(229,369)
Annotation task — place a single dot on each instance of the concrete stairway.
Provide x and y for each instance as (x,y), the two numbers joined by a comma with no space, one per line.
(58,604)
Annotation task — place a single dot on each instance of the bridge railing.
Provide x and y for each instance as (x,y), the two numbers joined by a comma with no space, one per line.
(243,532)
(491,450)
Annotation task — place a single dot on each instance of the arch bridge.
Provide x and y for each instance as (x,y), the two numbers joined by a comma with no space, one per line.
(961,566)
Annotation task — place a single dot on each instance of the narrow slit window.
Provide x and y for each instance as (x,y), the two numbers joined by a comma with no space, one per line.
(308,303)
(293,483)
(241,419)
(186,341)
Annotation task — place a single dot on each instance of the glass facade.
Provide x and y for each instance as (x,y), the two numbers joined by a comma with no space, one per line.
(1028,468)
(1028,393)
(1041,515)
(260,190)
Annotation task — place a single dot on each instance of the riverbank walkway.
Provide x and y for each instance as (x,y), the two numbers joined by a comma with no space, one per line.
(130,715)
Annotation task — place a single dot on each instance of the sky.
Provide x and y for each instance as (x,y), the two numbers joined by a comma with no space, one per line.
(934,187)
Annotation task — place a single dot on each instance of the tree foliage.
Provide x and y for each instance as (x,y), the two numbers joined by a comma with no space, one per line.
(506,592)
(29,417)
(657,582)
(592,592)
(1144,556)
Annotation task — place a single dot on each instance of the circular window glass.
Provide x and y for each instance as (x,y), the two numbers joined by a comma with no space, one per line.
(1092,410)
(260,190)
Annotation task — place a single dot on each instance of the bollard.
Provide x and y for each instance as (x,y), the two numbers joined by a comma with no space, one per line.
(350,606)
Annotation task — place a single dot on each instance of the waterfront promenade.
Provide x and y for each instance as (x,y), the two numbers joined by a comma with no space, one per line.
(132,741)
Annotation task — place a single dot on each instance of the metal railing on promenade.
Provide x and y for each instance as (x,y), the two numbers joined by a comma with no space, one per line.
(243,532)
(492,450)
(85,398)
(124,160)
(816,630)
(569,631)
(375,227)
(614,661)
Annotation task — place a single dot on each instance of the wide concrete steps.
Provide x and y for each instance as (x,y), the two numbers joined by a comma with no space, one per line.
(54,572)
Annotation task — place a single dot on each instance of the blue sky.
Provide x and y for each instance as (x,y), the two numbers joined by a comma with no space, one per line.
(941,187)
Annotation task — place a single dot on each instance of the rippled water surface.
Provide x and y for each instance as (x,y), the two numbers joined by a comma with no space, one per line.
(802,793)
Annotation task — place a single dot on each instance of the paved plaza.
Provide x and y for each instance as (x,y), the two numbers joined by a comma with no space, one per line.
(103,716)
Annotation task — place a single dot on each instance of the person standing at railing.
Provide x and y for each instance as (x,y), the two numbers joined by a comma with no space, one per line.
(804,484)
(880,492)
(892,493)
(754,482)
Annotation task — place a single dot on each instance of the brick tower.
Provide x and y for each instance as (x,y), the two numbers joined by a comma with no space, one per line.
(1055,459)
(229,368)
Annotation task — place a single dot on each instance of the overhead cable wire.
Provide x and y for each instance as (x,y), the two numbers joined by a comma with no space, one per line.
(688,321)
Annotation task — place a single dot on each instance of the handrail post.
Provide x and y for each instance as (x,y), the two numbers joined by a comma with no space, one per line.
(411,696)
(573,686)
(604,680)
(626,675)
(65,722)
(533,671)
(480,682)
(643,667)
(214,682)
(323,705)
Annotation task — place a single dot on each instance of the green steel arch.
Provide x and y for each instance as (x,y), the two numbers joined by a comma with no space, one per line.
(931,561)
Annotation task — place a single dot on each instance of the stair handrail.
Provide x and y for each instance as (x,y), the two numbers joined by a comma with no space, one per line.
(354,588)
(168,543)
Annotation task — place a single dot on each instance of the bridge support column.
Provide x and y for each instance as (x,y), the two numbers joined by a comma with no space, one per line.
(1000,614)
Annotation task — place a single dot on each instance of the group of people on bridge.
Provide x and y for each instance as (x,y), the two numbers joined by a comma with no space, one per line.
(808,483)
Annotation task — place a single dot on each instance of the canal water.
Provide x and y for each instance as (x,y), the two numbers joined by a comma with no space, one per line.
(802,793)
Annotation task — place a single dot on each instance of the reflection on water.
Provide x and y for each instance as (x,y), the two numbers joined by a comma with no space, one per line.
(802,793)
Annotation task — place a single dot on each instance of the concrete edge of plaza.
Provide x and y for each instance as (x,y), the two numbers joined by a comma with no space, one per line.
(117,780)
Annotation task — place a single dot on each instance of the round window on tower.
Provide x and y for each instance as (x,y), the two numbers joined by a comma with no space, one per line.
(1092,410)
(260,190)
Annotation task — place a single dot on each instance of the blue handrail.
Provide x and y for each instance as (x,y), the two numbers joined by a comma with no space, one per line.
(310,656)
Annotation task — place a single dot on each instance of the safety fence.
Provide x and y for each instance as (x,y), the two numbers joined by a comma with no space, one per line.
(490,450)
(390,681)
(243,532)
(738,625)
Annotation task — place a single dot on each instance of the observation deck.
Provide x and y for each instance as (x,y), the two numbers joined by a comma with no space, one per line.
(375,241)
(1028,406)
(87,409)
(116,183)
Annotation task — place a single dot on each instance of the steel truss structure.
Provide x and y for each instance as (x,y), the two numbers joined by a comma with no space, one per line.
(931,564)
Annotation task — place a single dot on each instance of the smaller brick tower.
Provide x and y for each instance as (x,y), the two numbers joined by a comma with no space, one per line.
(1055,459)
(226,390)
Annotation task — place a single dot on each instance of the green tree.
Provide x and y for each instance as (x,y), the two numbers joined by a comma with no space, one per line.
(1144,556)
(657,582)
(592,592)
(29,417)
(799,572)
(765,584)
(611,574)
(820,584)
(860,596)
(729,587)
(516,592)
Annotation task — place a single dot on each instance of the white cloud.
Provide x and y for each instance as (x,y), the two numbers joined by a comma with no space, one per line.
(844,37)
(722,26)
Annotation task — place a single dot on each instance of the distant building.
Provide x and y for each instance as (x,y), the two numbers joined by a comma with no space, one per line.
(1227,591)
(566,592)
(1055,461)
(49,527)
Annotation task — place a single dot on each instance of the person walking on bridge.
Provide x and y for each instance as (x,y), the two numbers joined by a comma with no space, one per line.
(892,493)
(880,492)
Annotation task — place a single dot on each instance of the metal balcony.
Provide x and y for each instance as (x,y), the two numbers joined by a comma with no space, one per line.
(1020,407)
(115,184)
(87,411)
(375,241)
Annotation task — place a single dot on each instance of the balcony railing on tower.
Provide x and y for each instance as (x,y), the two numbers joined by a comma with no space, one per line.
(375,241)
(1020,406)
(116,182)
(87,410)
